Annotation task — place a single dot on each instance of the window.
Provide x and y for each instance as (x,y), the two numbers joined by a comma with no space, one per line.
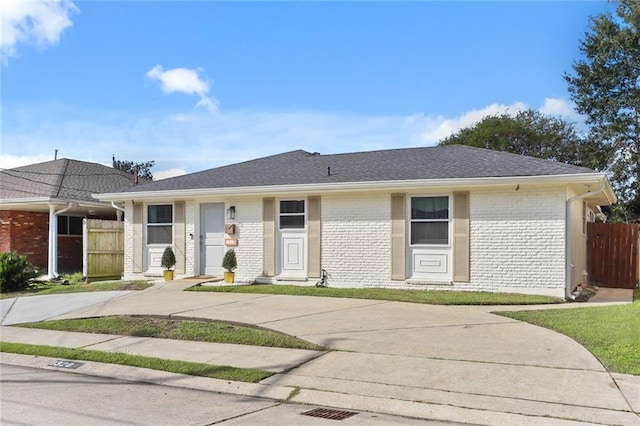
(430,220)
(70,225)
(292,214)
(160,224)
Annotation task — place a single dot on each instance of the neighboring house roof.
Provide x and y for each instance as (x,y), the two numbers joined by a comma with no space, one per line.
(301,167)
(60,180)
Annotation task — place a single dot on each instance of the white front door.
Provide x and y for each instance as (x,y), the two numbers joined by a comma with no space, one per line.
(211,239)
(293,238)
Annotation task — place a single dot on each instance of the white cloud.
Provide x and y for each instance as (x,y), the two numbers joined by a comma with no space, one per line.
(438,128)
(9,161)
(32,22)
(562,108)
(165,174)
(190,141)
(185,80)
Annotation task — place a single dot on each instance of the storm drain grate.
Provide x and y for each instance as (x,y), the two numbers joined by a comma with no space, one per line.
(327,413)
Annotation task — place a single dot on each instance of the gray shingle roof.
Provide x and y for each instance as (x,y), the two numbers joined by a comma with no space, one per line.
(301,167)
(63,179)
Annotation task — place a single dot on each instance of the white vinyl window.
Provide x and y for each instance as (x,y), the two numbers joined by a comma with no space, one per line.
(430,220)
(160,224)
(292,214)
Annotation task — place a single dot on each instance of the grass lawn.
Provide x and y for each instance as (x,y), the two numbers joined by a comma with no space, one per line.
(414,296)
(190,368)
(202,331)
(611,333)
(53,287)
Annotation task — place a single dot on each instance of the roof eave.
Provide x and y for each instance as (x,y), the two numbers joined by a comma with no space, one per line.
(359,186)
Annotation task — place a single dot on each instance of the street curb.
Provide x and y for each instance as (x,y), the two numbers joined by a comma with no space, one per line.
(395,407)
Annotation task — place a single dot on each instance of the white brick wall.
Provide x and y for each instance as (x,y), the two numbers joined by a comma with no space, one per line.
(128,242)
(356,239)
(190,263)
(249,233)
(517,240)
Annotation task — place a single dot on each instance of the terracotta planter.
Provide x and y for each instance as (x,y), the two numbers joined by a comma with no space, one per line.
(168,275)
(229,277)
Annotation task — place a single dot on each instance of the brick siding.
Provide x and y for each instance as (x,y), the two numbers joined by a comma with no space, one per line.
(26,233)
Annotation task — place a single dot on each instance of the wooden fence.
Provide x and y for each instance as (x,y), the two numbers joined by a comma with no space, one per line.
(612,254)
(103,256)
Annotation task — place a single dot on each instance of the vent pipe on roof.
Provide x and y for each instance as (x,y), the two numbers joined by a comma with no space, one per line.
(55,155)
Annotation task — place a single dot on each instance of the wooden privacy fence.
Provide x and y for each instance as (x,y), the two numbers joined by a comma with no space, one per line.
(103,256)
(612,254)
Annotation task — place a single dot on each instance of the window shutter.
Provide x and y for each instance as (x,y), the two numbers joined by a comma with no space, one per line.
(138,240)
(268,237)
(461,260)
(313,237)
(179,236)
(398,232)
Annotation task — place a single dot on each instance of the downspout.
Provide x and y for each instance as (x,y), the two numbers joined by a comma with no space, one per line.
(120,210)
(52,263)
(567,240)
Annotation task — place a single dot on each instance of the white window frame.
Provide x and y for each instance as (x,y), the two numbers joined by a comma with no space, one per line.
(171,224)
(448,220)
(303,214)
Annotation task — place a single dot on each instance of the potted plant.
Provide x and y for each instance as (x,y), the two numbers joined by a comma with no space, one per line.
(229,263)
(168,261)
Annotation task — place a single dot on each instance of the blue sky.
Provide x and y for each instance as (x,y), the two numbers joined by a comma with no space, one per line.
(199,84)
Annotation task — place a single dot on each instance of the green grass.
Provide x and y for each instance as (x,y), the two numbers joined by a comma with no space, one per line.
(53,287)
(202,331)
(190,368)
(611,333)
(413,296)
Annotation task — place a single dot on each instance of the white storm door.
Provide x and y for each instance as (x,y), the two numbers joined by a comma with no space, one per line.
(293,238)
(211,239)
(430,238)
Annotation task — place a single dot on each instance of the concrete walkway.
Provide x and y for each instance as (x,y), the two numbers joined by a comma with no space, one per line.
(460,364)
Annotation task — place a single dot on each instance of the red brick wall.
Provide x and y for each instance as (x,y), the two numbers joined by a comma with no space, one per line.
(69,254)
(5,231)
(26,233)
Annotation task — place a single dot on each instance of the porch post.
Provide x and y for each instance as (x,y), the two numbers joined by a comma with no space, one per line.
(52,260)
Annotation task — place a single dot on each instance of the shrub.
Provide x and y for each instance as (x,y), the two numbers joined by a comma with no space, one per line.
(15,272)
(229,261)
(168,260)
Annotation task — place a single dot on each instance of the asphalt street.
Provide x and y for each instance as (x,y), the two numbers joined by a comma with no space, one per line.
(41,397)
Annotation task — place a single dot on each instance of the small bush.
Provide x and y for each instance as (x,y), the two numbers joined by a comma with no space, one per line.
(16,273)
(168,259)
(229,261)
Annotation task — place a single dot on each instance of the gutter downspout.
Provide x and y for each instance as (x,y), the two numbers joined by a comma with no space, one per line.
(52,262)
(120,210)
(567,240)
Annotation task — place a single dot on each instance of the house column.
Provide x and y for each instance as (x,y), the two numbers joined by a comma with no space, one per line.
(52,261)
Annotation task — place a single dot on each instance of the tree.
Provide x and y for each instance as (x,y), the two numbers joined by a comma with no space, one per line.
(605,87)
(144,169)
(534,134)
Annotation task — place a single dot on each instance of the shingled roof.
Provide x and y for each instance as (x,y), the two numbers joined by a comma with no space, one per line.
(301,167)
(63,179)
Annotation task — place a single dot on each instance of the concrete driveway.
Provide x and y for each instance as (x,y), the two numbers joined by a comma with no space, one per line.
(459,364)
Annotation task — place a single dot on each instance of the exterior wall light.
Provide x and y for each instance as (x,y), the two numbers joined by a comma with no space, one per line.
(231,212)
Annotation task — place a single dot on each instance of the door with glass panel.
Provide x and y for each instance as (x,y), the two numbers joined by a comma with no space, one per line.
(292,239)
(430,238)
(159,235)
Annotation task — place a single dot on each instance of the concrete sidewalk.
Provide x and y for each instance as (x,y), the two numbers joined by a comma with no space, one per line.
(459,364)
